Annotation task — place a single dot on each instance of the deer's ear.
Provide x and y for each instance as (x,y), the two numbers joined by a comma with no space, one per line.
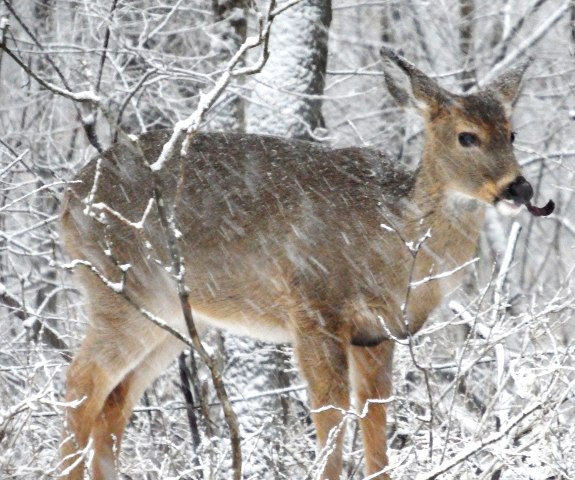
(409,86)
(508,85)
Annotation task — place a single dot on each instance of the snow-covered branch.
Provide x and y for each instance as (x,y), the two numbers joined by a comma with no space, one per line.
(191,124)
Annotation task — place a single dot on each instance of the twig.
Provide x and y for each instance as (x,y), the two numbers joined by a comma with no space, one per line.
(429,278)
(425,372)
(81,97)
(537,35)
(351,413)
(515,30)
(189,126)
(474,325)
(51,337)
(183,293)
(117,287)
(43,187)
(28,404)
(135,225)
(185,379)
(105,47)
(14,162)
(505,264)
(88,123)
(509,427)
(130,96)
(87,96)
(480,444)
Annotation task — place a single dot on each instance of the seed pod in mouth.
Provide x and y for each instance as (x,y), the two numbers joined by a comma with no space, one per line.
(541,211)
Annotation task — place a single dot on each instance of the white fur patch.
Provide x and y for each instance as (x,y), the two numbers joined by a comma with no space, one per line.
(167,305)
(246,327)
(457,201)
(507,208)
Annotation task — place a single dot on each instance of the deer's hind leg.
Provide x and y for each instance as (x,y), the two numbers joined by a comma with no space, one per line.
(97,369)
(109,425)
(100,377)
(108,382)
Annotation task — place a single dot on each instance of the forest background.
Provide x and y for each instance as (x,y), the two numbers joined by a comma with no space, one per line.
(484,391)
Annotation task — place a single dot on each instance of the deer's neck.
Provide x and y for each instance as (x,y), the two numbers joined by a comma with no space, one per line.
(446,224)
(441,210)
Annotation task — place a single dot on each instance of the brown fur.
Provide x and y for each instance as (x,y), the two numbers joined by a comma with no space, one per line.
(281,240)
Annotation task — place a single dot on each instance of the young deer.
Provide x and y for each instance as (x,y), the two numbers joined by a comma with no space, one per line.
(284,241)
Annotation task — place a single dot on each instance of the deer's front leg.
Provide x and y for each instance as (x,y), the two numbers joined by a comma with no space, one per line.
(371,374)
(322,355)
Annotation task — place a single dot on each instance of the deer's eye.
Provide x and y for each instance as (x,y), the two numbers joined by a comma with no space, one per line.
(468,139)
(512,137)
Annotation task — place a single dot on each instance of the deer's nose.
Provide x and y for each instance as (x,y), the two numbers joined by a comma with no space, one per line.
(520,191)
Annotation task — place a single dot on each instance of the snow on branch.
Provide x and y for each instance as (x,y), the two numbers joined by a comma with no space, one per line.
(441,275)
(117,287)
(478,445)
(14,162)
(505,265)
(87,96)
(33,192)
(190,125)
(136,225)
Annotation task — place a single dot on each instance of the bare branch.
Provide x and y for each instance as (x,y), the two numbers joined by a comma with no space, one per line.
(529,42)
(505,264)
(479,445)
(190,125)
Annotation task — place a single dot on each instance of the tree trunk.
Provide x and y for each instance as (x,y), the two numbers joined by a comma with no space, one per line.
(285,101)
(466,43)
(228,114)
(390,16)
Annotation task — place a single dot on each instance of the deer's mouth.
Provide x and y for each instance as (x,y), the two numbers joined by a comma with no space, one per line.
(510,208)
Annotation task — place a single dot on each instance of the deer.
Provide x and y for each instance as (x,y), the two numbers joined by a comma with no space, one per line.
(341,252)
